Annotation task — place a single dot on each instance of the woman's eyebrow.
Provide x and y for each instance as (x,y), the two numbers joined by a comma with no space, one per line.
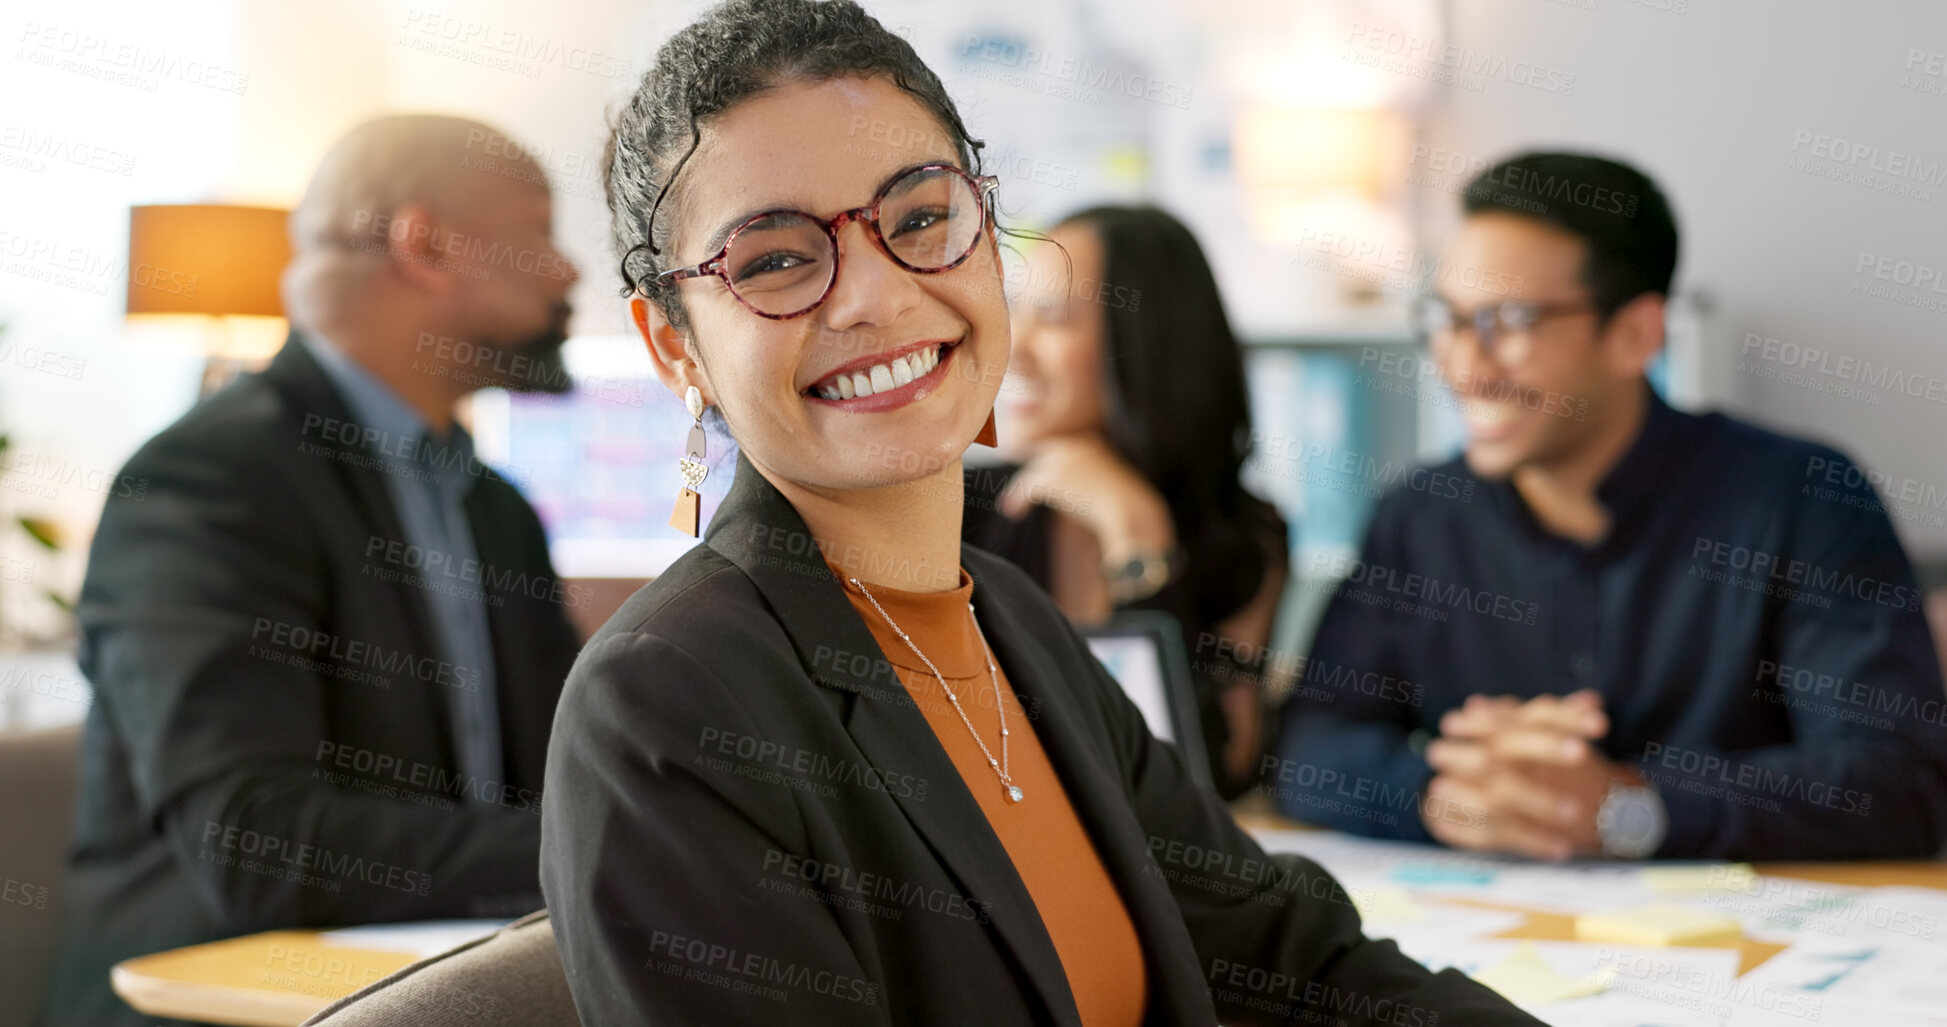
(719,238)
(909,169)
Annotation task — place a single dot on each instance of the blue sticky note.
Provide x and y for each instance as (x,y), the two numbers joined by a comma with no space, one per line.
(1430,874)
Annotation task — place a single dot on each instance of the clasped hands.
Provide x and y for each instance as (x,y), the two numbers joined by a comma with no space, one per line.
(1522,777)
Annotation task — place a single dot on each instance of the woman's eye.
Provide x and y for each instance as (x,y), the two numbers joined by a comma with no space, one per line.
(770,262)
(919,221)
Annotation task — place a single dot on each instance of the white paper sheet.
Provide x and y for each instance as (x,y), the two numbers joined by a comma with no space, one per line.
(1899,981)
(1390,912)
(1672,987)
(419,937)
(1576,887)
(1903,982)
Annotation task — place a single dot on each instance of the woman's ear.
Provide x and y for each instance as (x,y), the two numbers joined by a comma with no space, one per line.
(669,354)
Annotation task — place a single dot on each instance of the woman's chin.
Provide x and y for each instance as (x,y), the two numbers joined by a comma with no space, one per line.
(878,458)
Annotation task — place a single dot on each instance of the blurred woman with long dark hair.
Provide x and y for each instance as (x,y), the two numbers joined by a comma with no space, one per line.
(1129,405)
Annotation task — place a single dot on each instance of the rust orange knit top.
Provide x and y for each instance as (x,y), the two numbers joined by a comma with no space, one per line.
(1052,852)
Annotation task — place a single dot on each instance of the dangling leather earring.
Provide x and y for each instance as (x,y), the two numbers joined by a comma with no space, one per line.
(987,436)
(687,512)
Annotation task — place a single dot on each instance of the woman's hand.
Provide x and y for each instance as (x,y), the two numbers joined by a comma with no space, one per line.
(1079,475)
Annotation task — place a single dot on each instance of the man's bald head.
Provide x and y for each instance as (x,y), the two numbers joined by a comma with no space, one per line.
(424,227)
(385,164)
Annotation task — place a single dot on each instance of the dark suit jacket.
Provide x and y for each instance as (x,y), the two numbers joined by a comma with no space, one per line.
(750,823)
(269,744)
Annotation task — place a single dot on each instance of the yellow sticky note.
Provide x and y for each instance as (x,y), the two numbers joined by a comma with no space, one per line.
(1657,925)
(1526,978)
(1737,877)
(1390,904)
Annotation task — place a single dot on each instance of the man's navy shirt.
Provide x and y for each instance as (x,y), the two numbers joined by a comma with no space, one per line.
(1751,622)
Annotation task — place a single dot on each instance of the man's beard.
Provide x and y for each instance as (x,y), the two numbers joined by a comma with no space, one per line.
(533,363)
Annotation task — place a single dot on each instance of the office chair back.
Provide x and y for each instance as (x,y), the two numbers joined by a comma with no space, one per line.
(39,769)
(511,978)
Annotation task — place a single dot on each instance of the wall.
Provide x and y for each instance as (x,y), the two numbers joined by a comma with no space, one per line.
(1724,103)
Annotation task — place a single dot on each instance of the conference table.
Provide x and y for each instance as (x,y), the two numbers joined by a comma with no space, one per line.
(281,978)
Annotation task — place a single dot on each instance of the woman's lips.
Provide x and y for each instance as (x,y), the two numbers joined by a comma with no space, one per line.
(898,395)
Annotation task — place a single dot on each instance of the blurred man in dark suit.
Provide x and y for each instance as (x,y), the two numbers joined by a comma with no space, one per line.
(327,642)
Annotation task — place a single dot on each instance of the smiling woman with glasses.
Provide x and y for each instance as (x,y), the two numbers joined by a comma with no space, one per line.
(835,767)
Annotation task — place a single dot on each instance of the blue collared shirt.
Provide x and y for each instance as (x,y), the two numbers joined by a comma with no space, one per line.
(428,480)
(1751,623)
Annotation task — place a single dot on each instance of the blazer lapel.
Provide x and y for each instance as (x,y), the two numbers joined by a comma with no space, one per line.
(295,373)
(1088,772)
(761,532)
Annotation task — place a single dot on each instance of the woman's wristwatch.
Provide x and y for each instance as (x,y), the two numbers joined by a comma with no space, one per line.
(1142,575)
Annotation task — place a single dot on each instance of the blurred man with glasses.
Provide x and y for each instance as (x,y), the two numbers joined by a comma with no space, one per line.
(1634,632)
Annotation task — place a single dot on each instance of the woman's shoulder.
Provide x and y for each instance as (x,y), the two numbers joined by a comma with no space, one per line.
(702,617)
(700,582)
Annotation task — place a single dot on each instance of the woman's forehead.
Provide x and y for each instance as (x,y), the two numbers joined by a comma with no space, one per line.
(820,147)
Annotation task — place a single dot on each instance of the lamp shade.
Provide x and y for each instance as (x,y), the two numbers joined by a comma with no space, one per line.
(1318,150)
(209,259)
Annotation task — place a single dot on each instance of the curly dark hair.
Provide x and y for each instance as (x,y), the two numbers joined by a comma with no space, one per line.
(738,50)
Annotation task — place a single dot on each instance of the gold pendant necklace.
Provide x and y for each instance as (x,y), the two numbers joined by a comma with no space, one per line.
(999,766)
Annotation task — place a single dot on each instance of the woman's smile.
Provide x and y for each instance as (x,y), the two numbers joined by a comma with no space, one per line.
(886,381)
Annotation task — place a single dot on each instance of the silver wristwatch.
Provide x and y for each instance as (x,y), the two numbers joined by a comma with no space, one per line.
(1631,822)
(1141,576)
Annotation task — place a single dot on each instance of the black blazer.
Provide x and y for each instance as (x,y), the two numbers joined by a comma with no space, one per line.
(751,823)
(261,687)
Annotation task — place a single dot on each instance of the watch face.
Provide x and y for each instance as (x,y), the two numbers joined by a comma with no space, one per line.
(1631,823)
(1635,823)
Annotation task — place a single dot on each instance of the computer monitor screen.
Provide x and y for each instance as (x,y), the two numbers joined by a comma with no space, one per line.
(599,462)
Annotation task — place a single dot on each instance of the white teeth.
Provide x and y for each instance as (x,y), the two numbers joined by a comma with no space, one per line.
(881,377)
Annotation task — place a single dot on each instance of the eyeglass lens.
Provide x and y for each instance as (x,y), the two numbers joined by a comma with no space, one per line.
(782,264)
(1441,323)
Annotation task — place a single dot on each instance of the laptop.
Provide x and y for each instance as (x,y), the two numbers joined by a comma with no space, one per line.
(1143,651)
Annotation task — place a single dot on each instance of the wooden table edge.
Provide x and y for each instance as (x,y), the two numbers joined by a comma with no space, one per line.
(153,993)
